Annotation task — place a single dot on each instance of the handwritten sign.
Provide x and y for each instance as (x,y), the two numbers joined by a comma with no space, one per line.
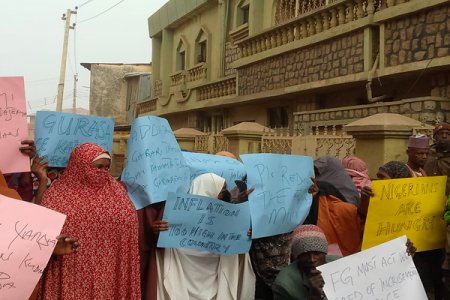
(206,224)
(13,125)
(28,234)
(384,272)
(226,167)
(155,165)
(411,206)
(56,134)
(280,201)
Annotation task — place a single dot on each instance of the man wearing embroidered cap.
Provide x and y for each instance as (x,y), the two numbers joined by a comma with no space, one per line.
(301,280)
(418,147)
(438,163)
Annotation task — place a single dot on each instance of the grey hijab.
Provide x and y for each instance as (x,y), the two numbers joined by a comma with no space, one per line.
(330,170)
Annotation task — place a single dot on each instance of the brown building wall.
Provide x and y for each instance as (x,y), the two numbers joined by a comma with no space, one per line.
(338,57)
(417,37)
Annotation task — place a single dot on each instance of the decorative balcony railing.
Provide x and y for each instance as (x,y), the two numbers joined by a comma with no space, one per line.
(222,88)
(178,78)
(313,18)
(146,107)
(211,143)
(197,72)
(423,109)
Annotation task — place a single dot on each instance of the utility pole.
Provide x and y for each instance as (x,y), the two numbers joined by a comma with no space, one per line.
(62,74)
(74,102)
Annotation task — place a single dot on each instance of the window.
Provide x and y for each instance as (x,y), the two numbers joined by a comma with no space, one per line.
(201,46)
(181,56)
(278,117)
(201,57)
(182,59)
(243,13)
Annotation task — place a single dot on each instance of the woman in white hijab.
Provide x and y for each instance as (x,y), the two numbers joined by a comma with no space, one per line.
(197,275)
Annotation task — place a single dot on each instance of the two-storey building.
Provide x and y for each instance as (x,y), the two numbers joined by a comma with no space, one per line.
(298,63)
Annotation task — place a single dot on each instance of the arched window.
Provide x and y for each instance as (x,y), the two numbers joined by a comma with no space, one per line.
(181,56)
(243,12)
(201,46)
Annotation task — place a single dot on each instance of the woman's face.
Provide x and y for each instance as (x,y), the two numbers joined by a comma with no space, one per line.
(381,174)
(102,164)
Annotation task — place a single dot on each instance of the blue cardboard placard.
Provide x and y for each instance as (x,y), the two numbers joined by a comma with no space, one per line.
(57,133)
(206,224)
(280,201)
(228,168)
(155,165)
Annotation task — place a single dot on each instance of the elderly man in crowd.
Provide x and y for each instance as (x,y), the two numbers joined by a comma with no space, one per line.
(418,147)
(438,163)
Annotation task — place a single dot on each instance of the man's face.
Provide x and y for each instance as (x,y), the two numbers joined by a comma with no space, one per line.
(442,138)
(310,260)
(417,156)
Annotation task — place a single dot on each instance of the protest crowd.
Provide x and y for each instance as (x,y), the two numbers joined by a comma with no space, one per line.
(110,247)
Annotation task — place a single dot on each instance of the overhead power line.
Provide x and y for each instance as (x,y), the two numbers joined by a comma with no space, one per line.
(84,3)
(99,14)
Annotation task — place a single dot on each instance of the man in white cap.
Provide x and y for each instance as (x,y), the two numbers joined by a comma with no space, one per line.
(418,147)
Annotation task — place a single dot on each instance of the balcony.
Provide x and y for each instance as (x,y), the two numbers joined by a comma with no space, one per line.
(197,72)
(424,109)
(178,78)
(218,89)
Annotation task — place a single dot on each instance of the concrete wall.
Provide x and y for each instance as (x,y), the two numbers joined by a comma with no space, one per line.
(109,89)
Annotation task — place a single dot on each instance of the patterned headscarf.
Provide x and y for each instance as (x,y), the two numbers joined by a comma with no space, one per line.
(396,169)
(357,169)
(101,215)
(306,238)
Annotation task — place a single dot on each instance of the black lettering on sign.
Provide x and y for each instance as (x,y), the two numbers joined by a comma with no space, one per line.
(38,237)
(27,263)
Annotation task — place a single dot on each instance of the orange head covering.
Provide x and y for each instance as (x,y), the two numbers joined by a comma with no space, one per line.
(227,154)
(5,190)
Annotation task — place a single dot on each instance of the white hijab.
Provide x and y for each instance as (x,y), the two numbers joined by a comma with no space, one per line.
(208,184)
(197,275)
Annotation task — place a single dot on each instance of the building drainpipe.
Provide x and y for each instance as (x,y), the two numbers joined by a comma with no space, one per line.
(224,5)
(370,76)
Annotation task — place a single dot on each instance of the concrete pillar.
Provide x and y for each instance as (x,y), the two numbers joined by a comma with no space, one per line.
(156,59)
(166,60)
(381,138)
(244,137)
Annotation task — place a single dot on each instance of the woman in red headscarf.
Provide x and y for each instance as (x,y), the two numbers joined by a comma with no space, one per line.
(357,169)
(102,217)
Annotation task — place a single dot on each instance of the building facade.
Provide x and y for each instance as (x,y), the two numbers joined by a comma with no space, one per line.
(117,89)
(302,64)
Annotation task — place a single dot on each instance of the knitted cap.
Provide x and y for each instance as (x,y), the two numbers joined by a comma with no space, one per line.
(441,126)
(306,238)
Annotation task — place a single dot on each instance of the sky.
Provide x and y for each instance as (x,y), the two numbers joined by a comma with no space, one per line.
(31,41)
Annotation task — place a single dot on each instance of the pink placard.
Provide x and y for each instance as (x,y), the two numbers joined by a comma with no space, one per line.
(13,125)
(28,236)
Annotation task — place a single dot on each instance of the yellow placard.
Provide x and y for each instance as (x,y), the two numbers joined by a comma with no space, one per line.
(411,206)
